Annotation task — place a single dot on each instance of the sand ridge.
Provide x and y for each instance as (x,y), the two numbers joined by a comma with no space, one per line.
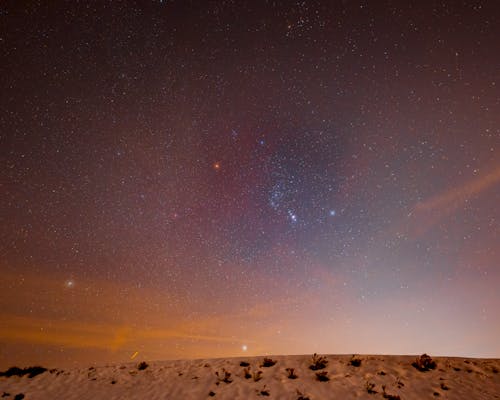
(290,377)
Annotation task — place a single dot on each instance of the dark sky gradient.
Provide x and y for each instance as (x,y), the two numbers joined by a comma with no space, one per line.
(182,179)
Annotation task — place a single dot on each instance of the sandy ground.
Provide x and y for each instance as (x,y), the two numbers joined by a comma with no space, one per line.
(453,378)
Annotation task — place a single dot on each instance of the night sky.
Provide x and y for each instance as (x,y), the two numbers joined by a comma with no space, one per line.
(188,179)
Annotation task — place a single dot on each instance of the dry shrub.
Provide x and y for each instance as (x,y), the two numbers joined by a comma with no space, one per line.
(30,371)
(424,363)
(370,387)
(257,376)
(224,376)
(318,362)
(389,396)
(322,376)
(142,365)
(355,361)
(301,395)
(264,391)
(246,373)
(268,362)
(291,373)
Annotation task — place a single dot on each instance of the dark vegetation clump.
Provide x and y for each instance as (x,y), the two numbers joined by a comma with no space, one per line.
(13,371)
(224,376)
(389,396)
(318,362)
(264,391)
(257,376)
(142,365)
(370,388)
(5,394)
(268,362)
(244,364)
(424,363)
(30,371)
(444,387)
(322,376)
(291,373)
(19,396)
(211,394)
(301,395)
(355,361)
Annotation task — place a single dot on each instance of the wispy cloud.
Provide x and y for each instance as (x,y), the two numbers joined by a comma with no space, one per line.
(429,212)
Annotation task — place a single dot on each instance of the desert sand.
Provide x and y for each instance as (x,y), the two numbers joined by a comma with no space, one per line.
(362,376)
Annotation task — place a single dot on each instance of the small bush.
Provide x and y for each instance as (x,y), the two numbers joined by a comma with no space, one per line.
(246,373)
(291,373)
(355,361)
(424,363)
(142,365)
(370,387)
(19,396)
(444,387)
(268,362)
(257,376)
(318,362)
(389,396)
(244,364)
(301,395)
(264,391)
(322,376)
(211,394)
(224,376)
(30,371)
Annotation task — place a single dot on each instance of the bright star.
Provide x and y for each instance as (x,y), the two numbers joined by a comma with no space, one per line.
(332,213)
(244,347)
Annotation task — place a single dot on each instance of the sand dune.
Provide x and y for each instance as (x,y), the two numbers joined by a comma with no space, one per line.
(372,377)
